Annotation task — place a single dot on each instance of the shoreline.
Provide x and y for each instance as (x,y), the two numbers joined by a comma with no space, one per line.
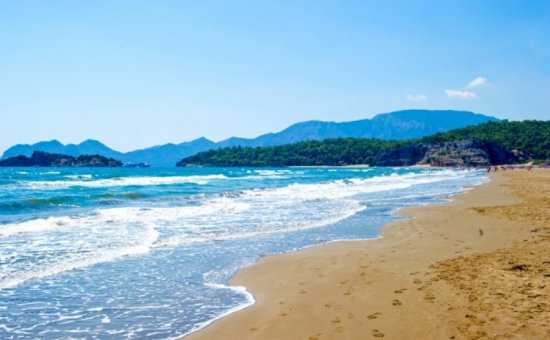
(198,334)
(390,286)
(251,297)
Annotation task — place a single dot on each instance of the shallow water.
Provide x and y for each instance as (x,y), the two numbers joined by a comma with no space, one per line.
(147,253)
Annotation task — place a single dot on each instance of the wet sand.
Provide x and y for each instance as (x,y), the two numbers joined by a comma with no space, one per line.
(478,267)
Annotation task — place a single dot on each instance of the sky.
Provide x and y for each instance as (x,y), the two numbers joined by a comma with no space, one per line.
(133,74)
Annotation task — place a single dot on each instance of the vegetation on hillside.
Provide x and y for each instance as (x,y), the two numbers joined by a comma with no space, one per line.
(531,139)
(337,151)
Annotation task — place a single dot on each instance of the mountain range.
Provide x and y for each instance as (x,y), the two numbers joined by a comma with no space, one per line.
(407,124)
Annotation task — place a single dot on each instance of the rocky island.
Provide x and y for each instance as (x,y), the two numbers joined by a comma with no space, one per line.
(44,159)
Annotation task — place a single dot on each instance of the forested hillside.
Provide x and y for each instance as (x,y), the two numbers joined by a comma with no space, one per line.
(521,140)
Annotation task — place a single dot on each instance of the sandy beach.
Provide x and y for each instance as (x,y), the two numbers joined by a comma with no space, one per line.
(477,267)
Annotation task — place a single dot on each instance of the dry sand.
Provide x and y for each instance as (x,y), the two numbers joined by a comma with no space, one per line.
(478,267)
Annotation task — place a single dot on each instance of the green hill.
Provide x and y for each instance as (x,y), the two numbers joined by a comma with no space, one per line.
(531,137)
(489,143)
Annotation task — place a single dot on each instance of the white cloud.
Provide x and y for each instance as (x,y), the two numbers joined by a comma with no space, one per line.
(416,98)
(460,94)
(479,81)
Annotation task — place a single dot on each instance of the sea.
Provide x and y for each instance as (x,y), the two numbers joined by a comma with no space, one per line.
(148,253)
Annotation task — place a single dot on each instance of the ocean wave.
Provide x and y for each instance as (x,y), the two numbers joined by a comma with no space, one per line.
(273,172)
(288,227)
(32,226)
(349,187)
(83,176)
(249,301)
(238,201)
(121,181)
(47,246)
(74,261)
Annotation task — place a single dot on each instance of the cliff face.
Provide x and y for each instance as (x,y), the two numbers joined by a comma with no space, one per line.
(468,153)
(405,155)
(43,159)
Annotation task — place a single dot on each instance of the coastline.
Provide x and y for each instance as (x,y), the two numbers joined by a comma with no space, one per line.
(401,285)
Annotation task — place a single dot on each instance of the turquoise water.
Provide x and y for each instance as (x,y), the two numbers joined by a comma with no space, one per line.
(148,253)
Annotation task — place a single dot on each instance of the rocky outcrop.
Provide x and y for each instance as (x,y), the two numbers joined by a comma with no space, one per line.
(463,153)
(44,159)
(408,154)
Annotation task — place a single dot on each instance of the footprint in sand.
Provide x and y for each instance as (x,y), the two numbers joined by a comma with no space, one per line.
(377,334)
(374,316)
(417,281)
(283,314)
(429,297)
(396,303)
(399,291)
(336,320)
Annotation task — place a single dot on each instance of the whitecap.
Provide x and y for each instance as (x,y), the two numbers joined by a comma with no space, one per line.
(103,235)
(122,181)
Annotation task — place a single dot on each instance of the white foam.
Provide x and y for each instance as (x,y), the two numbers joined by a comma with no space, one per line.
(122,216)
(122,181)
(80,243)
(289,227)
(249,301)
(65,243)
(68,265)
(273,172)
(50,173)
(6,328)
(37,225)
(95,309)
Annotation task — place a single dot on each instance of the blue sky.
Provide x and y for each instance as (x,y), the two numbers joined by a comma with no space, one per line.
(139,73)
